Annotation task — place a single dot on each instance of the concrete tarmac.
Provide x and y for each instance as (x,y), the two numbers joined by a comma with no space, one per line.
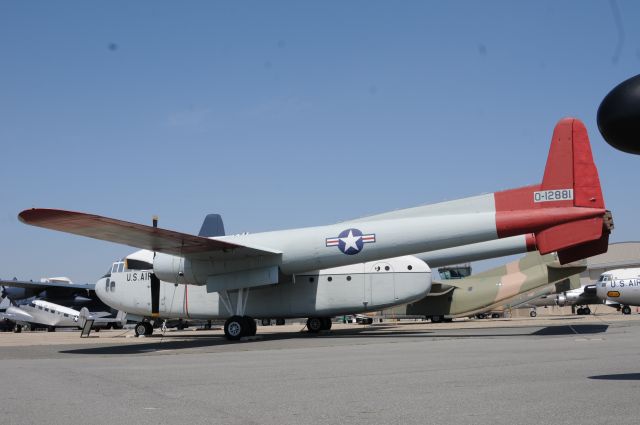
(559,370)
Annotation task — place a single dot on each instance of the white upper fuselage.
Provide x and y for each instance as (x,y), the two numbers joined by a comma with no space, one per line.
(403,232)
(620,286)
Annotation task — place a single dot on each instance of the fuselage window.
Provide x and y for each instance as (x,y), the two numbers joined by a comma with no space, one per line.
(46,309)
(66,315)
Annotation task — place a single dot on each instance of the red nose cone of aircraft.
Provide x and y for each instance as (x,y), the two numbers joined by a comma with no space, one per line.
(619,116)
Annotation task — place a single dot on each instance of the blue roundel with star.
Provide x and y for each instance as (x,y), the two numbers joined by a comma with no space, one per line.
(351,241)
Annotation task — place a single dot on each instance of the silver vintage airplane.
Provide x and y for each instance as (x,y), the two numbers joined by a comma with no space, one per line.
(321,271)
(620,286)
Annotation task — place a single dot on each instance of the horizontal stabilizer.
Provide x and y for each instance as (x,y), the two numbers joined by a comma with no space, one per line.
(212,226)
(585,250)
(568,235)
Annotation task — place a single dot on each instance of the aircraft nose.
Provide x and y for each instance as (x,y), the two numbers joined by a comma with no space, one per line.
(100,289)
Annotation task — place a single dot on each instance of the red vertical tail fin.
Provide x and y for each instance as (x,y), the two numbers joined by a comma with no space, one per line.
(567,210)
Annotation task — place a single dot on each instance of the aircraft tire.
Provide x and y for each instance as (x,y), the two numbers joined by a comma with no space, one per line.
(326,323)
(495,316)
(51,328)
(280,322)
(235,328)
(140,329)
(251,328)
(626,310)
(436,319)
(17,328)
(149,326)
(533,313)
(586,310)
(314,324)
(481,316)
(580,311)
(266,322)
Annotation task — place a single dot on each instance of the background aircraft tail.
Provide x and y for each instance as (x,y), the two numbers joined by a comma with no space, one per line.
(566,211)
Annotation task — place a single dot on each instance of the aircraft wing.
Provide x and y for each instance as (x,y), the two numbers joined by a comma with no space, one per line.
(136,235)
(30,284)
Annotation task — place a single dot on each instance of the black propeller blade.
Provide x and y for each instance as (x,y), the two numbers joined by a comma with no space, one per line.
(155,285)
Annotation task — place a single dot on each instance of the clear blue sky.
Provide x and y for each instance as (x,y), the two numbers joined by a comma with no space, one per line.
(289,114)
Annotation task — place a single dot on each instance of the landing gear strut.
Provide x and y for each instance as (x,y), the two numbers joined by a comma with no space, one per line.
(238,325)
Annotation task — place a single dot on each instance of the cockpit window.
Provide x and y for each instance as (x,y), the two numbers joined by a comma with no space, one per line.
(114,268)
(138,265)
(120,267)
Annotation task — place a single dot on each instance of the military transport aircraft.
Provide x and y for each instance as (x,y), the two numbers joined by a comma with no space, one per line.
(620,286)
(502,287)
(309,272)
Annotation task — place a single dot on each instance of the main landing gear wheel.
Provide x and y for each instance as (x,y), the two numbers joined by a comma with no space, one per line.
(436,319)
(17,328)
(280,322)
(252,327)
(326,324)
(266,322)
(586,311)
(143,329)
(314,324)
(626,310)
(238,326)
(235,327)
(533,313)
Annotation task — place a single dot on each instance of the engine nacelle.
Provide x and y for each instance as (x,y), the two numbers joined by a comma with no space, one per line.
(561,300)
(242,273)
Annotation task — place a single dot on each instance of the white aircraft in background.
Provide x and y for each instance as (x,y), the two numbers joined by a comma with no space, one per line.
(620,286)
(321,271)
(39,313)
(581,297)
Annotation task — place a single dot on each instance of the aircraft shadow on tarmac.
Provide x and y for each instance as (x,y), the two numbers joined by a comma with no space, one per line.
(618,377)
(181,342)
(572,329)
